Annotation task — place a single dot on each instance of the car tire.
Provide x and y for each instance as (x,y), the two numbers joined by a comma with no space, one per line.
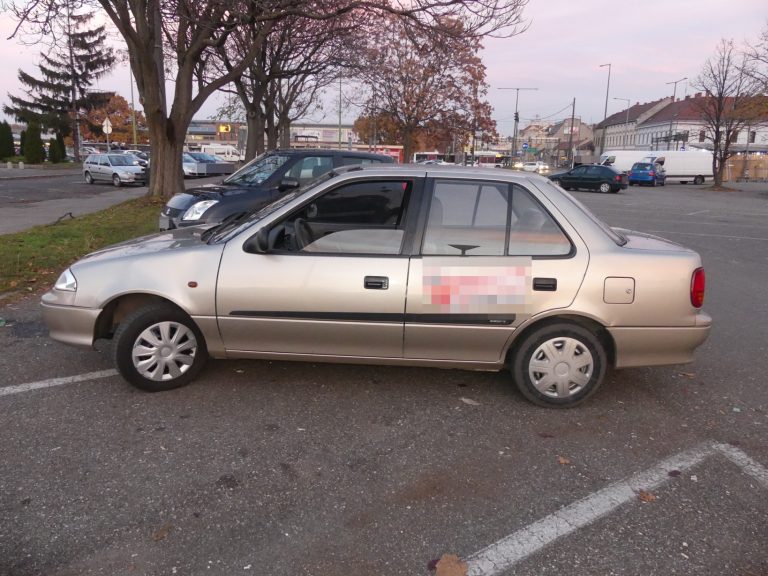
(631,183)
(604,187)
(653,183)
(88,178)
(698,180)
(116,181)
(158,348)
(559,365)
(664,182)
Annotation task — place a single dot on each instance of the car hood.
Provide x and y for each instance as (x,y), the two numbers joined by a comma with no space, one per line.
(171,240)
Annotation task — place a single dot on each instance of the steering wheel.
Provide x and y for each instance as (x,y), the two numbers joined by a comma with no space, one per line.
(302,233)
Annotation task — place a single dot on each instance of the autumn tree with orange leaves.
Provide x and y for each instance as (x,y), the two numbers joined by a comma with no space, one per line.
(427,87)
(119,112)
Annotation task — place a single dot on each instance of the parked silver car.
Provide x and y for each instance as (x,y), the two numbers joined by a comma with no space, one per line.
(116,168)
(436,266)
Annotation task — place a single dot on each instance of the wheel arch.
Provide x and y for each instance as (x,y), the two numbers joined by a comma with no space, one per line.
(598,329)
(117,309)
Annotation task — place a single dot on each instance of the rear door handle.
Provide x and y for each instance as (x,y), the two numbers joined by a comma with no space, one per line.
(376,282)
(545,284)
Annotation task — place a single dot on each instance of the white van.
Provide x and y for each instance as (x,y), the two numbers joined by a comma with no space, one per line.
(226,152)
(684,166)
(622,160)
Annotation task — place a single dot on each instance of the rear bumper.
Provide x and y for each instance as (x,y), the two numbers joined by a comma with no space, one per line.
(657,346)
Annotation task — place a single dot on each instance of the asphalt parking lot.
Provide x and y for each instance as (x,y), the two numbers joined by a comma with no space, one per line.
(311,469)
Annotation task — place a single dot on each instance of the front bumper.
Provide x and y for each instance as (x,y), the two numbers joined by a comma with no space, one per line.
(70,324)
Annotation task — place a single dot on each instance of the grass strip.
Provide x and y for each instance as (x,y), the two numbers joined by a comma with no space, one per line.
(34,258)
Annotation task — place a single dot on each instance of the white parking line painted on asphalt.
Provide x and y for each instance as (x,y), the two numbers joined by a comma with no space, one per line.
(508,551)
(56,382)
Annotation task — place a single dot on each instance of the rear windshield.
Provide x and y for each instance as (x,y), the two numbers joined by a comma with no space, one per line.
(642,166)
(258,169)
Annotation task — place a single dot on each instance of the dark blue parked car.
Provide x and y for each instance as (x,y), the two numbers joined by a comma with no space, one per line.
(647,173)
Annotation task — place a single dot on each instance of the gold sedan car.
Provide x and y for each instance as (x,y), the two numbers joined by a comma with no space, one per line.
(439,266)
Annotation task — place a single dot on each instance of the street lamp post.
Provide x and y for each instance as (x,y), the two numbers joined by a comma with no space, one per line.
(626,122)
(674,94)
(517,119)
(605,113)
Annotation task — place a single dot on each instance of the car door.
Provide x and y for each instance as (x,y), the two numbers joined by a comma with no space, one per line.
(331,280)
(492,256)
(575,177)
(594,176)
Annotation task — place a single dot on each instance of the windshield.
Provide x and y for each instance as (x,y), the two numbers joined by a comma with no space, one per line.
(187,159)
(228,230)
(258,169)
(121,159)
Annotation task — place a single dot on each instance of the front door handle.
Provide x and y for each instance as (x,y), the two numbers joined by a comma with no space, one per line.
(376,282)
(545,284)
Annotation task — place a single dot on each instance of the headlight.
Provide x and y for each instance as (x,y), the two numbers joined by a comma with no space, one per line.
(66,282)
(125,174)
(196,211)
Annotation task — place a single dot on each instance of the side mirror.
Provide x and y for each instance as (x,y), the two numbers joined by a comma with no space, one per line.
(288,184)
(258,243)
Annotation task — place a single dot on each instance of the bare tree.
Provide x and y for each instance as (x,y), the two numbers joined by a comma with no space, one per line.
(757,56)
(730,102)
(188,31)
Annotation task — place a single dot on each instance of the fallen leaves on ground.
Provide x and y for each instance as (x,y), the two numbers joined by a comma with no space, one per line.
(563,461)
(470,401)
(162,533)
(451,565)
(646,496)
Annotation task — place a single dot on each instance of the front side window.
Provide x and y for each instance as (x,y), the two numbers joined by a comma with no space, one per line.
(351,160)
(489,219)
(364,217)
(310,168)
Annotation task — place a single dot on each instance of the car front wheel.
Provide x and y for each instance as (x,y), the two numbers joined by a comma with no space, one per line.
(116,180)
(159,348)
(88,178)
(559,365)
(605,187)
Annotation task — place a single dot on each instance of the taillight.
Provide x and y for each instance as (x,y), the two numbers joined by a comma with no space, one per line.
(651,174)
(698,281)
(618,177)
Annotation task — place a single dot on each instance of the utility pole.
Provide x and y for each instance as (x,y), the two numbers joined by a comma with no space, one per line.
(517,119)
(570,134)
(605,113)
(674,93)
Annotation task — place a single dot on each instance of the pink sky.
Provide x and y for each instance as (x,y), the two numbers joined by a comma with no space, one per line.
(648,44)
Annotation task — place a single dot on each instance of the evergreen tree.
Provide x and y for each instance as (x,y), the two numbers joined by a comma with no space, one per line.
(34,153)
(6,141)
(22,138)
(54,99)
(54,152)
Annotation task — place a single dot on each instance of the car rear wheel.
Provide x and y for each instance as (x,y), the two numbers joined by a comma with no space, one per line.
(559,365)
(88,178)
(116,180)
(605,187)
(698,180)
(159,348)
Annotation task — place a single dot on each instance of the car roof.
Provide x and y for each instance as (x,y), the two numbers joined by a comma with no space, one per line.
(330,151)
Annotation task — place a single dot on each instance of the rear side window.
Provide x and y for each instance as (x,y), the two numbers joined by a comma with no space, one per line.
(351,160)
(490,219)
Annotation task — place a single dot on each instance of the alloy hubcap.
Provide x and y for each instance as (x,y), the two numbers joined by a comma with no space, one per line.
(164,351)
(561,367)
